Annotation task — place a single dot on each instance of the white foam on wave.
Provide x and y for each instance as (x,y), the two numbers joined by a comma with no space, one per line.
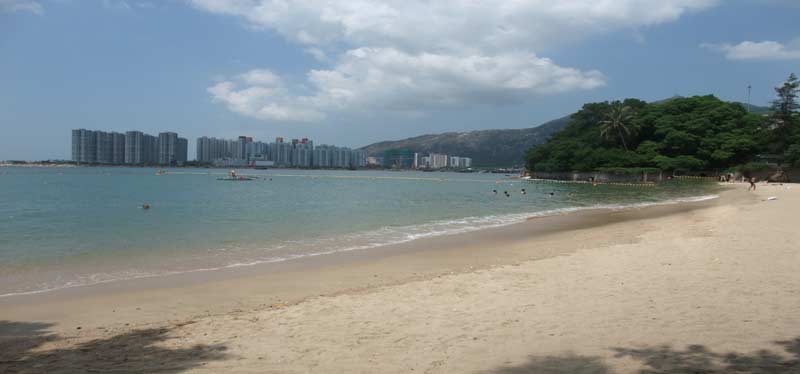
(385,236)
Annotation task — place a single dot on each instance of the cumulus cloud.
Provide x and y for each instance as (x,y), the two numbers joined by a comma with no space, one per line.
(10,6)
(388,79)
(748,50)
(423,25)
(413,55)
(253,94)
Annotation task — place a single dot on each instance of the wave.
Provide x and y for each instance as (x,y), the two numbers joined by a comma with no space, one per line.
(383,237)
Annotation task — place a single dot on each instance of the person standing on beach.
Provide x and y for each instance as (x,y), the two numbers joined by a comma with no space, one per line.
(752,184)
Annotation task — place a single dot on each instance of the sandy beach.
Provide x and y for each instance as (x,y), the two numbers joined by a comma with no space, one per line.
(708,287)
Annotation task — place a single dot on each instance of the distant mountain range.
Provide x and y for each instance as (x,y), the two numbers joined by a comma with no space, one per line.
(487,148)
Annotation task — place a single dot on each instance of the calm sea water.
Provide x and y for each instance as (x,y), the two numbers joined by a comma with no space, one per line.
(67,227)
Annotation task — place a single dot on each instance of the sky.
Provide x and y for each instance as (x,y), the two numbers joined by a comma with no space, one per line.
(353,72)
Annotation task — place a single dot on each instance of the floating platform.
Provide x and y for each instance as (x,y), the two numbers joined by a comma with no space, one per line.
(237,179)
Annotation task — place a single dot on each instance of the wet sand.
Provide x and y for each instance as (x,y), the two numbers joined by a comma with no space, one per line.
(589,292)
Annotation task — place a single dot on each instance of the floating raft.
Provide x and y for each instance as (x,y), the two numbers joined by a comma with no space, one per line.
(237,179)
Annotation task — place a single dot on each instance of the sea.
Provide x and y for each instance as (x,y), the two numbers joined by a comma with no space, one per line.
(78,226)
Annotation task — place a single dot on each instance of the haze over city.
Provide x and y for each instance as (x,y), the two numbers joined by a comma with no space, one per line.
(344,73)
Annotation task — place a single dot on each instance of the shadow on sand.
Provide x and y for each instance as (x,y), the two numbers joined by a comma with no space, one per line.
(695,359)
(559,365)
(23,350)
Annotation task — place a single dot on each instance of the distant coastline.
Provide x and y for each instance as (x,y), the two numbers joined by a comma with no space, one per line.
(71,164)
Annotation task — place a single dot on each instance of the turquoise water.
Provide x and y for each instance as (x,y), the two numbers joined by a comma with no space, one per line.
(66,227)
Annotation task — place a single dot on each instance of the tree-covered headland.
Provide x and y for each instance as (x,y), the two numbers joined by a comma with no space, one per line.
(700,133)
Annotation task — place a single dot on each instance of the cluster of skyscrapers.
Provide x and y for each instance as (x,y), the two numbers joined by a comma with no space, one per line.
(138,148)
(130,148)
(299,153)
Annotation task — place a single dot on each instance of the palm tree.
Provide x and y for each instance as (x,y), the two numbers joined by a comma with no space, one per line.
(617,123)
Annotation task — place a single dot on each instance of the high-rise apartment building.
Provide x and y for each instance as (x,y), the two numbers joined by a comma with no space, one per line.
(301,153)
(359,158)
(150,149)
(242,148)
(167,148)
(183,151)
(84,146)
(96,146)
(104,147)
(210,149)
(140,148)
(398,158)
(134,147)
(170,149)
(438,161)
(281,152)
(117,148)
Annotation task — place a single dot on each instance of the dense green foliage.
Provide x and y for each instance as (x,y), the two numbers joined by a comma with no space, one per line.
(695,133)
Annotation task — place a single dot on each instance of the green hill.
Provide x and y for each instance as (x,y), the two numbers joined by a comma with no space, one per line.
(685,133)
(496,148)
(486,147)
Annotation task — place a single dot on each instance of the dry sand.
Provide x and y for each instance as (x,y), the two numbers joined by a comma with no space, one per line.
(697,288)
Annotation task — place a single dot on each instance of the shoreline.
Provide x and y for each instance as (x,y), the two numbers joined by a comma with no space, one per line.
(447,254)
(678,288)
(503,221)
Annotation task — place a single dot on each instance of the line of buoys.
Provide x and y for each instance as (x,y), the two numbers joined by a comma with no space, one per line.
(695,177)
(371,177)
(626,184)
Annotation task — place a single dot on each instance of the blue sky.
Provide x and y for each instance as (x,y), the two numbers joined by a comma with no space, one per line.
(354,72)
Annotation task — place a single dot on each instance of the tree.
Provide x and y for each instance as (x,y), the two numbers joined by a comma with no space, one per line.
(693,133)
(784,107)
(792,155)
(617,123)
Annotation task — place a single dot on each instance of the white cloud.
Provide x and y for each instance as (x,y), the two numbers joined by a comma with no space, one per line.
(415,55)
(10,6)
(387,79)
(260,77)
(765,50)
(318,54)
(264,97)
(423,25)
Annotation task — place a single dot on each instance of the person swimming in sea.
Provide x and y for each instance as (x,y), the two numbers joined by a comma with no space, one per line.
(523,191)
(145,206)
(552,194)
(495,192)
